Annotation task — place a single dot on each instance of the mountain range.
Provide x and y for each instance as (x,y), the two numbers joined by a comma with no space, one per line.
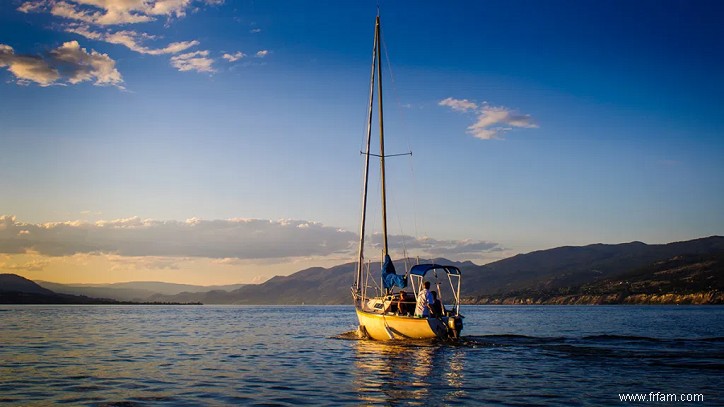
(689,272)
(538,277)
(137,291)
(15,289)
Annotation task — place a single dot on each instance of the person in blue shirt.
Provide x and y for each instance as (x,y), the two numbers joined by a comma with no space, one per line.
(436,305)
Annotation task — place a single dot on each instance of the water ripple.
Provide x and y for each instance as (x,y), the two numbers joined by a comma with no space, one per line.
(189,356)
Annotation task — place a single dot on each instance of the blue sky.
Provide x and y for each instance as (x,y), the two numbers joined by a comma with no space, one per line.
(218,141)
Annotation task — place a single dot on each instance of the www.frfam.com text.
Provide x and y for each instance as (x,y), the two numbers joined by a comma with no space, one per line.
(659,396)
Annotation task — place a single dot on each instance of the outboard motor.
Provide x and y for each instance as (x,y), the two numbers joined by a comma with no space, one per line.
(454,326)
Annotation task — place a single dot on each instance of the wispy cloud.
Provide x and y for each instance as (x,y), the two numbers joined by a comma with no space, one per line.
(453,248)
(99,20)
(33,265)
(262,53)
(198,61)
(234,57)
(113,12)
(32,7)
(492,121)
(68,63)
(145,262)
(131,39)
(229,261)
(427,246)
(460,105)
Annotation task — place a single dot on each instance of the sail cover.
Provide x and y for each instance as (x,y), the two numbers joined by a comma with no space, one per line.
(389,277)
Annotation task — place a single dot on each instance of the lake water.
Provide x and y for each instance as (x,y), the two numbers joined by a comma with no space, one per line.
(280,355)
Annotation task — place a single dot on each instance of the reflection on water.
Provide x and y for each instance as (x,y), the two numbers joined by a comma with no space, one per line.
(388,372)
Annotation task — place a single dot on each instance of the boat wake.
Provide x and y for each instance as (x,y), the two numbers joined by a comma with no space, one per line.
(697,353)
(351,335)
(510,339)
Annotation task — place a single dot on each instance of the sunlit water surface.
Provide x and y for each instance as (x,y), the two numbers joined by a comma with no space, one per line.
(286,355)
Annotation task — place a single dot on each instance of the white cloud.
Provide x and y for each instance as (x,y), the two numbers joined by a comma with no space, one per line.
(492,121)
(165,7)
(255,30)
(87,17)
(198,61)
(84,30)
(218,239)
(83,66)
(234,57)
(460,105)
(262,53)
(173,48)
(27,68)
(111,12)
(132,40)
(69,63)
(230,242)
(111,15)
(31,7)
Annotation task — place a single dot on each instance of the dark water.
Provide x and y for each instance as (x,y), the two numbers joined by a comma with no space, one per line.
(209,355)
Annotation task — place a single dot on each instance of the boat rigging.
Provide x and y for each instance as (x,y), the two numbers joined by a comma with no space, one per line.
(388,315)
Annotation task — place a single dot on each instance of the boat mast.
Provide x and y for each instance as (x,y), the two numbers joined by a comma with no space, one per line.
(360,263)
(382,138)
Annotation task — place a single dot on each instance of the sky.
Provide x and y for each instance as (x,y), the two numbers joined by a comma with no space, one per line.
(218,141)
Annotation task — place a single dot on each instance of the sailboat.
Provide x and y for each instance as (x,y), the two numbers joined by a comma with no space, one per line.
(383,313)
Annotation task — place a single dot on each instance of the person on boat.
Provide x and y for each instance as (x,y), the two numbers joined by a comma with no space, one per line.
(436,307)
(395,304)
(402,305)
(424,301)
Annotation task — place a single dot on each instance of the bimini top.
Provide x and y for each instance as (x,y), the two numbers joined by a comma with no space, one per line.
(422,269)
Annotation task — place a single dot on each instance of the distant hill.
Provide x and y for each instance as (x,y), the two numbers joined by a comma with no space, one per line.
(573,266)
(120,294)
(15,289)
(683,279)
(19,290)
(311,286)
(139,291)
(546,272)
(14,283)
